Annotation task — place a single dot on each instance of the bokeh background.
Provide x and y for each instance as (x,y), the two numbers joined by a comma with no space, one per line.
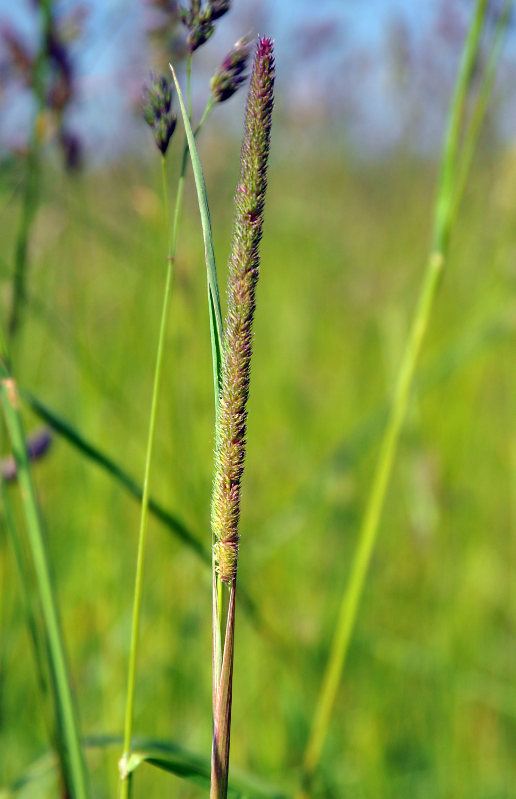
(427,705)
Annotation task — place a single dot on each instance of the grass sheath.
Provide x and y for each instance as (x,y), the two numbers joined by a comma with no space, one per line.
(73,765)
(443,219)
(234,389)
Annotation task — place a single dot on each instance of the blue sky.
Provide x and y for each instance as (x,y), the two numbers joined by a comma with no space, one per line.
(347,74)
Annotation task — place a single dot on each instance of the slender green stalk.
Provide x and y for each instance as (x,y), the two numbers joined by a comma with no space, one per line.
(481,104)
(189,85)
(170,520)
(216,327)
(33,617)
(222,702)
(369,529)
(216,335)
(96,455)
(126,773)
(32,179)
(125,786)
(73,760)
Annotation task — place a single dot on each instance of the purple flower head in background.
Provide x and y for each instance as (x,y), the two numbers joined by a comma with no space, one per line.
(157,111)
(218,8)
(199,17)
(231,73)
(37,444)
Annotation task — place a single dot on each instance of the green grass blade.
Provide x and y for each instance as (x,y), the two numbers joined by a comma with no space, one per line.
(196,769)
(216,329)
(33,620)
(388,446)
(94,454)
(77,782)
(165,755)
(33,172)
(443,216)
(480,108)
(168,519)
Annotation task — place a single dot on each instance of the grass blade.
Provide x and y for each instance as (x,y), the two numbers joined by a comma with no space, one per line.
(216,329)
(73,765)
(96,455)
(216,333)
(192,767)
(479,111)
(32,616)
(170,520)
(369,528)
(165,755)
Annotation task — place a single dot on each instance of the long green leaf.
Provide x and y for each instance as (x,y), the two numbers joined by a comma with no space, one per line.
(32,616)
(71,753)
(216,333)
(443,219)
(170,520)
(216,328)
(165,755)
(93,453)
(195,768)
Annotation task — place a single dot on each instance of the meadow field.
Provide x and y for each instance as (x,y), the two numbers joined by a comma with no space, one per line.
(426,707)
(428,703)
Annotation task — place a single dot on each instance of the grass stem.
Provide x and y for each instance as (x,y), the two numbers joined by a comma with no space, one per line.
(369,528)
(68,727)
(32,179)
(125,788)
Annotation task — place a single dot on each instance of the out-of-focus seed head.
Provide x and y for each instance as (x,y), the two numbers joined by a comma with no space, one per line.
(157,111)
(72,151)
(19,57)
(198,18)
(218,8)
(37,446)
(231,73)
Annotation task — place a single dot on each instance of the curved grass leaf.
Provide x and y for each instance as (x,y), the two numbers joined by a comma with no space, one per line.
(442,228)
(165,755)
(216,328)
(67,726)
(170,520)
(192,767)
(96,455)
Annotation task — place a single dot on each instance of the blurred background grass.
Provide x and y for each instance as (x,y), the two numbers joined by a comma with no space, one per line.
(427,707)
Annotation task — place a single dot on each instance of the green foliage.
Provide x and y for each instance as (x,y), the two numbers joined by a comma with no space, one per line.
(427,709)
(429,686)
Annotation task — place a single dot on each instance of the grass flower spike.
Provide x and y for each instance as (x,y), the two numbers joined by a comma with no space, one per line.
(234,391)
(199,17)
(231,73)
(157,111)
(243,275)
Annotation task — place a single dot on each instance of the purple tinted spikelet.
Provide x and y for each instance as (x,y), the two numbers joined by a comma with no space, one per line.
(217,8)
(157,111)
(199,17)
(231,73)
(243,276)
(37,446)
